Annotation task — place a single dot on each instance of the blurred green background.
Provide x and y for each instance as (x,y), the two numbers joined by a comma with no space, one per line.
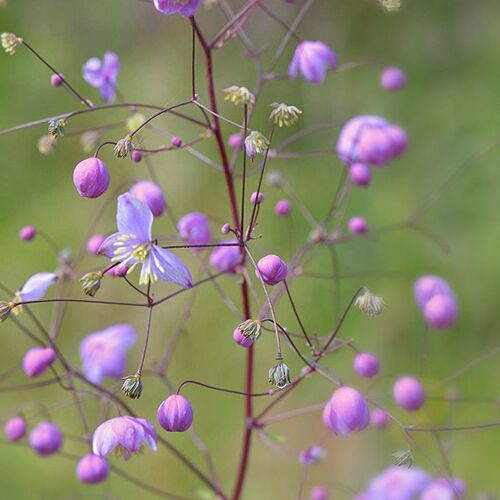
(449,50)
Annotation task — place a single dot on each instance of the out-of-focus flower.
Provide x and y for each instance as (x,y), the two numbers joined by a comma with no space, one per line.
(125,435)
(319,492)
(92,469)
(46,438)
(27,233)
(226,258)
(408,393)
(91,177)
(103,74)
(235,141)
(358,225)
(379,418)
(15,429)
(239,95)
(10,42)
(369,304)
(360,174)
(133,244)
(194,229)
(391,5)
(46,144)
(36,287)
(94,242)
(392,78)
(366,364)
(272,269)
(284,115)
(445,489)
(255,143)
(256,198)
(37,360)
(175,414)
(312,59)
(311,455)
(151,194)
(283,208)
(104,353)
(186,8)
(89,140)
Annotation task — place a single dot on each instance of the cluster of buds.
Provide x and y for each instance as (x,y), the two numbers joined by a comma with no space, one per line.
(91,282)
(10,42)
(284,115)
(56,127)
(370,304)
(279,375)
(123,147)
(132,386)
(239,95)
(255,143)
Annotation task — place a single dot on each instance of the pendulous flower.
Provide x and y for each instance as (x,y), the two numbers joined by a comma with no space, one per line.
(37,360)
(284,115)
(370,304)
(250,329)
(186,8)
(10,42)
(56,128)
(91,177)
(255,143)
(133,244)
(194,229)
(379,418)
(312,59)
(241,339)
(175,414)
(103,75)
(151,194)
(239,95)
(92,469)
(94,243)
(46,438)
(91,282)
(123,147)
(279,375)
(272,269)
(132,386)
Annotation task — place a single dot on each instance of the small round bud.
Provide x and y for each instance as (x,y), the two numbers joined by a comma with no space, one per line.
(27,233)
(358,225)
(46,144)
(15,429)
(379,419)
(408,393)
(319,492)
(283,208)
(428,286)
(392,79)
(360,174)
(225,229)
(241,339)
(366,365)
(37,360)
(94,243)
(176,141)
(311,455)
(120,270)
(46,438)
(194,229)
(272,269)
(175,414)
(226,258)
(91,178)
(398,139)
(136,156)
(92,469)
(151,194)
(235,141)
(441,311)
(56,80)
(256,198)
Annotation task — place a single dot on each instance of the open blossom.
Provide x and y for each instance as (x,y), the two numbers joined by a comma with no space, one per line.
(92,469)
(194,229)
(103,74)
(185,8)
(125,435)
(175,414)
(133,244)
(226,258)
(104,353)
(409,393)
(445,489)
(46,438)
(34,289)
(151,194)
(312,59)
(37,360)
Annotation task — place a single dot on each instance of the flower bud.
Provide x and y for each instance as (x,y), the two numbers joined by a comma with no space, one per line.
(379,419)
(408,393)
(279,375)
(251,328)
(320,492)
(91,282)
(226,258)
(37,360)
(360,174)
(120,270)
(441,311)
(27,233)
(46,438)
(428,286)
(272,269)
(15,429)
(194,229)
(94,243)
(225,229)
(56,128)
(56,80)
(235,141)
(175,414)
(275,179)
(123,147)
(256,198)
(136,156)
(177,142)
(366,365)
(92,469)
(370,304)
(284,115)
(283,208)
(241,339)
(10,43)
(392,79)
(312,59)
(46,144)
(132,386)
(151,194)
(358,225)
(346,411)
(91,178)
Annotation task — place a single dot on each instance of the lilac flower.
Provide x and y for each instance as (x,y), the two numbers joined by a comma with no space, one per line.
(241,339)
(226,258)
(311,455)
(194,229)
(346,411)
(151,194)
(15,429)
(358,225)
(360,174)
(46,438)
(185,8)
(133,244)
(319,492)
(35,287)
(104,353)
(124,434)
(91,177)
(103,74)
(92,469)
(272,269)
(427,287)
(37,360)
(444,489)
(313,60)
(409,393)
(175,414)
(56,80)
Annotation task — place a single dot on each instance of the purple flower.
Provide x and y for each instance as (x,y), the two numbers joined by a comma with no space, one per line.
(104,353)
(241,339)
(56,80)
(346,411)
(311,455)
(133,244)
(125,434)
(379,419)
(37,360)
(226,258)
(91,178)
(27,233)
(444,489)
(94,243)
(92,469)
(358,225)
(103,74)
(313,60)
(36,287)
(408,393)
(366,364)
(176,141)
(185,8)
(151,194)
(46,438)
(272,269)
(393,78)
(15,429)
(175,414)
(194,229)
(427,287)
(283,208)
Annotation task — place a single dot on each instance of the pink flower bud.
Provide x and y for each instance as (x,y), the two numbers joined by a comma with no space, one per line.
(176,141)
(15,429)
(225,229)
(37,360)
(56,80)
(136,156)
(120,270)
(27,233)
(398,139)
(92,469)
(429,286)
(46,438)
(379,419)
(346,412)
(319,492)
(408,393)
(358,225)
(257,197)
(375,147)
(283,208)
(240,339)
(392,79)
(441,311)
(272,269)
(360,174)
(366,364)
(94,243)
(151,194)
(91,178)
(175,414)
(236,141)
(194,229)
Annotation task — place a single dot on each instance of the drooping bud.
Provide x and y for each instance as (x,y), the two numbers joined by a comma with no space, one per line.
(241,340)
(177,142)
(56,80)
(279,375)
(123,147)
(27,233)
(239,95)
(251,328)
(256,198)
(136,156)
(370,304)
(56,127)
(132,386)
(408,393)
(392,79)
(15,429)
(5,309)
(175,414)
(225,229)
(284,115)
(91,282)
(10,43)
(91,177)
(379,419)
(272,269)
(46,438)
(255,143)
(37,360)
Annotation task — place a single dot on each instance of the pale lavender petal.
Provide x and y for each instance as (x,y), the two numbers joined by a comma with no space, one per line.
(167,7)
(134,218)
(111,66)
(108,246)
(169,267)
(36,286)
(149,433)
(93,72)
(190,8)
(104,440)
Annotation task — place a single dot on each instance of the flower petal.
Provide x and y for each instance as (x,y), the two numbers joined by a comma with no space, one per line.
(36,286)
(134,218)
(169,267)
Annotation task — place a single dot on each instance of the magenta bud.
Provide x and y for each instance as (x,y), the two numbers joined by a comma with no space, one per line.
(360,174)
(346,412)
(27,233)
(37,360)
(272,269)
(441,311)
(120,270)
(151,194)
(319,492)
(46,438)
(236,141)
(358,225)
(379,419)
(366,364)
(136,156)
(56,80)
(175,414)
(429,286)
(226,258)
(375,147)
(91,178)
(408,393)
(225,229)
(398,139)
(240,339)
(257,197)
(194,229)
(92,469)
(176,141)
(283,208)
(392,79)
(15,429)
(94,243)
